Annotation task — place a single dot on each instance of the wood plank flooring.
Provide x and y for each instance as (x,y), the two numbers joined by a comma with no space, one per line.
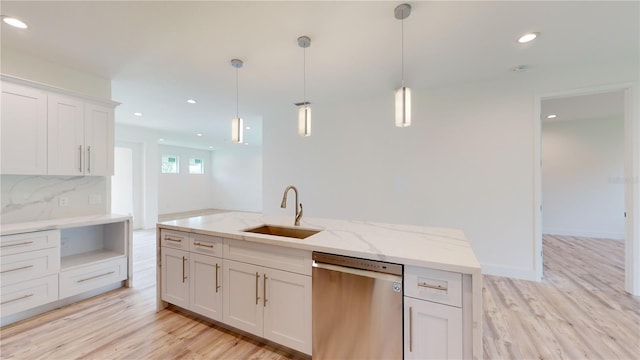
(579,311)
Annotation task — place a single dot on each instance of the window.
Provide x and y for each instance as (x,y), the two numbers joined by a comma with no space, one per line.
(196,166)
(170,164)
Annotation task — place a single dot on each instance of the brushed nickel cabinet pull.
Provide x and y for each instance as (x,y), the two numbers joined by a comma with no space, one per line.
(410,329)
(184,259)
(264,290)
(257,297)
(17,244)
(203,245)
(16,269)
(97,276)
(88,159)
(16,299)
(435,287)
(217,284)
(80,152)
(169,238)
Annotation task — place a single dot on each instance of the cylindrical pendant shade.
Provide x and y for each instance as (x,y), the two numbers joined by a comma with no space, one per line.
(403,107)
(237,130)
(304,120)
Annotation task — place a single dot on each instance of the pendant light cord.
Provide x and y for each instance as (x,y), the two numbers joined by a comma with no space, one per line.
(304,76)
(237,91)
(402,48)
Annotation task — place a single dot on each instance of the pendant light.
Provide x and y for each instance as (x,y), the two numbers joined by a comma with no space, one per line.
(403,94)
(304,110)
(236,123)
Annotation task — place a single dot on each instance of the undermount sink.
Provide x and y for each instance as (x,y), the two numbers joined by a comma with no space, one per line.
(277,230)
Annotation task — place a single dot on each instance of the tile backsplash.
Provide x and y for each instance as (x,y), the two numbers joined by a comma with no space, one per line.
(30,198)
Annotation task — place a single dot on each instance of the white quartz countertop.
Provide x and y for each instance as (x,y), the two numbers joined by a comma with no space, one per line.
(438,248)
(53,224)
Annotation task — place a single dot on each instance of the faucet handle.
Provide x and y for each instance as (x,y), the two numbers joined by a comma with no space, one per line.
(298,217)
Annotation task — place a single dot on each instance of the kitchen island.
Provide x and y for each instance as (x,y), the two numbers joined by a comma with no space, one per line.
(428,255)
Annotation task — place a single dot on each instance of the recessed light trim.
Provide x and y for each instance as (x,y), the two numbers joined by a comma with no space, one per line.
(137,114)
(161,140)
(520,68)
(552,116)
(247,128)
(528,37)
(199,134)
(192,101)
(14,22)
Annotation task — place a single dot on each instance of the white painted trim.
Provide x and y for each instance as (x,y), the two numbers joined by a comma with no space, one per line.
(584,233)
(510,272)
(632,171)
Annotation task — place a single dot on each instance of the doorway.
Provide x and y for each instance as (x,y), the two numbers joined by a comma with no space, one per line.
(595,196)
(122,181)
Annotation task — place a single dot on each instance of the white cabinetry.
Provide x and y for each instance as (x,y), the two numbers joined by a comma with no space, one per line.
(23,126)
(192,279)
(434,325)
(49,131)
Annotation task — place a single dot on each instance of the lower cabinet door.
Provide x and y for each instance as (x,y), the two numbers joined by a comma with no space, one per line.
(287,309)
(243,296)
(432,330)
(28,294)
(92,276)
(175,276)
(205,284)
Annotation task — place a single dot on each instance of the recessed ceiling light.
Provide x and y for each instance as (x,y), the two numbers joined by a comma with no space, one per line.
(246,143)
(552,116)
(191,101)
(210,147)
(520,68)
(137,113)
(198,134)
(528,37)
(248,128)
(14,22)
(161,140)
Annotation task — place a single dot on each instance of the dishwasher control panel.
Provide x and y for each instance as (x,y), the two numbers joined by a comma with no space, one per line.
(357,263)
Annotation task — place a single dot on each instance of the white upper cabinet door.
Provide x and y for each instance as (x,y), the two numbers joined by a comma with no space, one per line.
(23,128)
(66,136)
(98,140)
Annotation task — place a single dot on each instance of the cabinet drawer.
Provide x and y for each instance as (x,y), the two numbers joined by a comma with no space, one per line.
(14,244)
(29,265)
(28,294)
(174,239)
(439,286)
(293,260)
(92,276)
(205,244)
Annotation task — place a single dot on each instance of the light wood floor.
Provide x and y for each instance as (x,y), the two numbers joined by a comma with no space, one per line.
(578,312)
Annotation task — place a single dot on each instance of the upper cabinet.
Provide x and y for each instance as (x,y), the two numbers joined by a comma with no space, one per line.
(23,125)
(46,131)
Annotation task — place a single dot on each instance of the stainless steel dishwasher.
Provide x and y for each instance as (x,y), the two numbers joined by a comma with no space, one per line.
(357,308)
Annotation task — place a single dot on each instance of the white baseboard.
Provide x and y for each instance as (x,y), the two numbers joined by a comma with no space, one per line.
(510,272)
(584,233)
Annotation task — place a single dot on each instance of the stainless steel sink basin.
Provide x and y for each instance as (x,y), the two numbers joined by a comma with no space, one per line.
(277,230)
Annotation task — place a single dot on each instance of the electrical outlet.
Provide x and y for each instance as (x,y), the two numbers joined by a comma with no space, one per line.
(95,199)
(63,201)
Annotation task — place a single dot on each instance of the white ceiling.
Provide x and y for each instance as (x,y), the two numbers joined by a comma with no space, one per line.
(593,106)
(159,54)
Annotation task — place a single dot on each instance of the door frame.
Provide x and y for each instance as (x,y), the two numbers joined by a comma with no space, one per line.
(631,177)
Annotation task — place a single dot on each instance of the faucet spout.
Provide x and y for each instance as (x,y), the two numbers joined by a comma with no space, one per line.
(283,205)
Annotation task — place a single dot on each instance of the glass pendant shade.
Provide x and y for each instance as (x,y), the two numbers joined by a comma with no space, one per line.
(237,130)
(403,107)
(304,120)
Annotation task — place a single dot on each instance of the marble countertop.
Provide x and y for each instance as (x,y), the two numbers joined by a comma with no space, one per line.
(437,248)
(53,224)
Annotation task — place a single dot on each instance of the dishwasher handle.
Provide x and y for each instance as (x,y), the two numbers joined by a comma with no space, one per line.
(358,272)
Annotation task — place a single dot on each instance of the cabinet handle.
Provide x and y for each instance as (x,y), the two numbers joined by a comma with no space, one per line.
(169,238)
(184,260)
(435,287)
(18,244)
(264,290)
(257,297)
(80,155)
(410,329)
(16,269)
(203,245)
(88,159)
(16,299)
(217,285)
(97,276)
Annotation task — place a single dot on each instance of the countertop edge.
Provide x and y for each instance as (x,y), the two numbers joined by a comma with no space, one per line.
(62,223)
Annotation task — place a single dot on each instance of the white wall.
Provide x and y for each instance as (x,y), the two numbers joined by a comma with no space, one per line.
(466,162)
(237,178)
(122,181)
(583,164)
(185,191)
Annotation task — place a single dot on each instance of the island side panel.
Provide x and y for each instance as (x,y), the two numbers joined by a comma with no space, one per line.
(476,279)
(159,303)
